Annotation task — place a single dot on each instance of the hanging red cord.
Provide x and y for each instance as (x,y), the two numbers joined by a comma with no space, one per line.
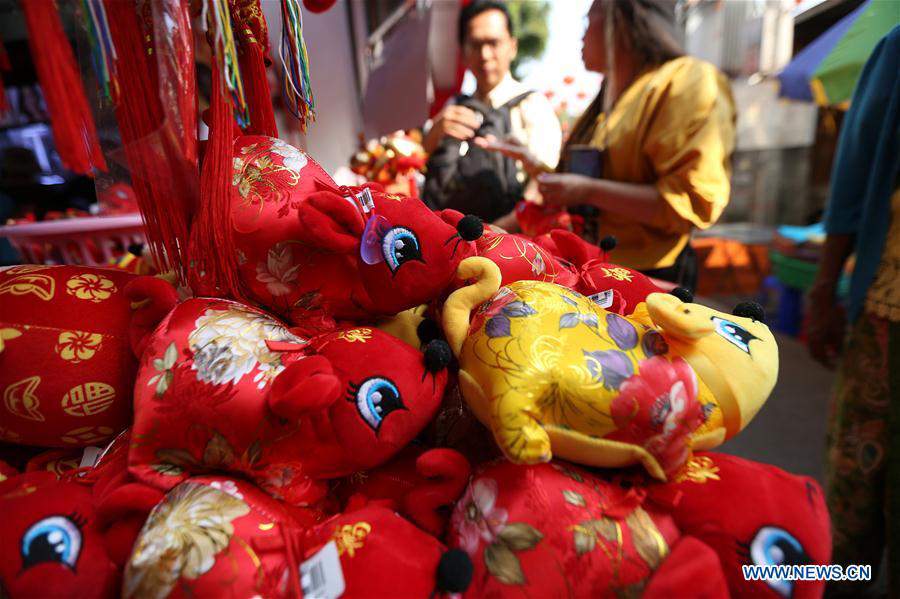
(70,115)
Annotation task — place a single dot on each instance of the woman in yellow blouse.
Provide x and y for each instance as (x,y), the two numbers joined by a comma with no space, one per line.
(663,124)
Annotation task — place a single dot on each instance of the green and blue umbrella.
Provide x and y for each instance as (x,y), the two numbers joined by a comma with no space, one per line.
(826,70)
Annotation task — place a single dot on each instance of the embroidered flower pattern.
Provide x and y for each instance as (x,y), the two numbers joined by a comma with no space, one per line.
(477,520)
(257,176)
(278,272)
(77,346)
(657,408)
(292,158)
(181,539)
(231,343)
(90,286)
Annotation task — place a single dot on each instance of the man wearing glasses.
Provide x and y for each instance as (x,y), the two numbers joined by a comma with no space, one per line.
(489,47)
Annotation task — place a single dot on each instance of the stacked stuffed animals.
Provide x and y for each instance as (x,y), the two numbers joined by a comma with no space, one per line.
(279,441)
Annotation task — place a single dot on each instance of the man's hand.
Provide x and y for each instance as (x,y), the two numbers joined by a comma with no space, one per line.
(458,122)
(825,324)
(565,189)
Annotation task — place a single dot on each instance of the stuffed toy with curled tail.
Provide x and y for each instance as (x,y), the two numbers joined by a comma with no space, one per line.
(556,530)
(313,252)
(225,387)
(552,373)
(50,543)
(66,362)
(216,536)
(381,554)
(751,513)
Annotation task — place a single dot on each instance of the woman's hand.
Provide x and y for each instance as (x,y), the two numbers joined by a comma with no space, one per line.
(565,189)
(516,151)
(825,324)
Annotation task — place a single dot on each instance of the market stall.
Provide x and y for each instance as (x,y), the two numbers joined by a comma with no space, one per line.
(306,385)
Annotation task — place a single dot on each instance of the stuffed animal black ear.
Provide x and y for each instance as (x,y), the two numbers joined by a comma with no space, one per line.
(437,355)
(427,331)
(470,227)
(683,294)
(454,573)
(608,243)
(750,310)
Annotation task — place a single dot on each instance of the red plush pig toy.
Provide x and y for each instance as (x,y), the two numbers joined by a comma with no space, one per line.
(223,386)
(66,365)
(50,545)
(310,251)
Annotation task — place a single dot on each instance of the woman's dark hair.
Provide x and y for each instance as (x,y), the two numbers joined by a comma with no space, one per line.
(639,21)
(472,10)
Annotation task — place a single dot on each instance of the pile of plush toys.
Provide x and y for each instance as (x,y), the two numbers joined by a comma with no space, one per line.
(400,404)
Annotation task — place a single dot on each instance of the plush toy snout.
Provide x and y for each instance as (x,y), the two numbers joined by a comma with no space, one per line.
(305,386)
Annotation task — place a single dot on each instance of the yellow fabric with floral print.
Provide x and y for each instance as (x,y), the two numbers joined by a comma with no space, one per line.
(543,367)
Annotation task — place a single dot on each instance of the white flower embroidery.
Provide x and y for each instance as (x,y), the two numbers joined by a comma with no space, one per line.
(293,158)
(228,344)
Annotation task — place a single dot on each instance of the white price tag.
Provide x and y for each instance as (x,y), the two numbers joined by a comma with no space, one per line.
(321,576)
(90,456)
(604,299)
(366,201)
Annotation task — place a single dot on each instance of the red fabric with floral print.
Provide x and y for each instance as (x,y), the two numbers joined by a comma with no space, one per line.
(300,241)
(657,408)
(223,386)
(753,513)
(554,529)
(522,260)
(216,537)
(50,545)
(66,366)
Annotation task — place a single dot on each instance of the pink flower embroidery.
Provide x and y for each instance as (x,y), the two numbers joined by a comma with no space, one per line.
(476,517)
(657,408)
(279,272)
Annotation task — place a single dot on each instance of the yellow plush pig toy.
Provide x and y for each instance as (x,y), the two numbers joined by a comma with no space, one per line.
(552,373)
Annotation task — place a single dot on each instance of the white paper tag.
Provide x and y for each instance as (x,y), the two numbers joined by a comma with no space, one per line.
(90,456)
(321,576)
(366,201)
(604,299)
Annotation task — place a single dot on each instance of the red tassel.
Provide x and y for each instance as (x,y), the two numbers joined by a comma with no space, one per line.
(256,90)
(252,35)
(163,175)
(70,116)
(213,249)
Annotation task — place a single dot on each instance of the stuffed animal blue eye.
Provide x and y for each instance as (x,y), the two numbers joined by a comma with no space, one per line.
(399,246)
(53,539)
(734,333)
(375,399)
(774,546)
